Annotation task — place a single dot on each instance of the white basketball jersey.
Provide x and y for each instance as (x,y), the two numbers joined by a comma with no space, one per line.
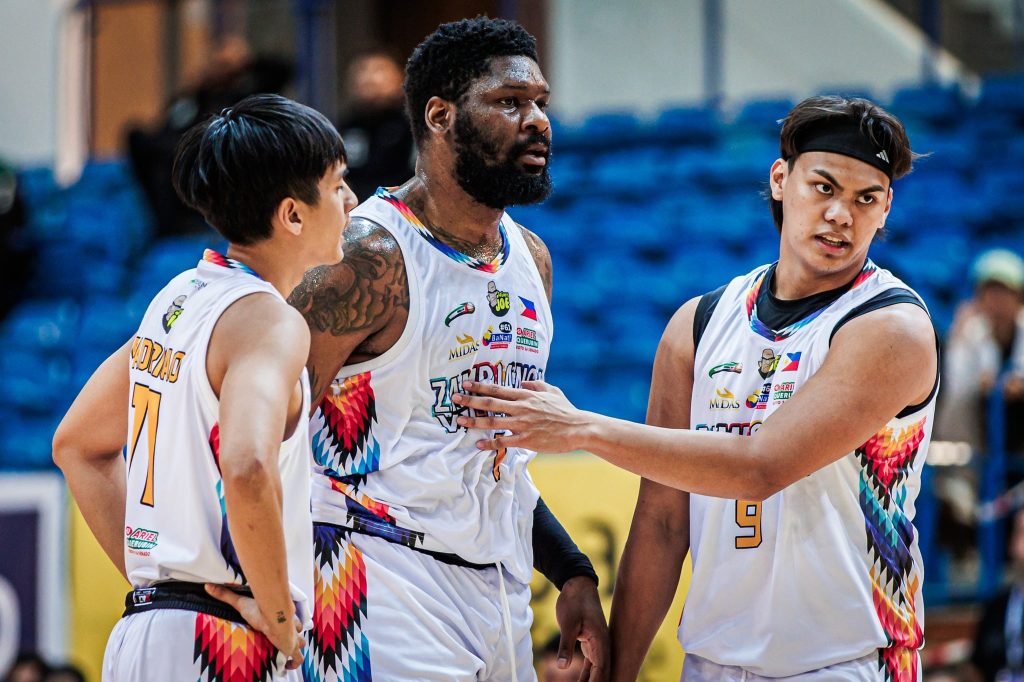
(827,570)
(176,524)
(391,459)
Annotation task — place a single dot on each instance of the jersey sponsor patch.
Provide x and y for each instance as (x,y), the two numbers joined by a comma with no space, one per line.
(465,308)
(724,400)
(498,300)
(526,339)
(497,340)
(734,367)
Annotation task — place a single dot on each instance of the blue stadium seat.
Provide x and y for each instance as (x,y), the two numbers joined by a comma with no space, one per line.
(41,325)
(698,126)
(25,442)
(36,381)
(1002,95)
(938,105)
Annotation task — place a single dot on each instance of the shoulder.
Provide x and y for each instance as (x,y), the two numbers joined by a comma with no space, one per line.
(536,245)
(261,322)
(677,339)
(541,256)
(372,259)
(905,325)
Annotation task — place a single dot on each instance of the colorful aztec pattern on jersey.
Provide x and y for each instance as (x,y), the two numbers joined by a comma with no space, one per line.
(367,515)
(343,441)
(886,459)
(211,256)
(338,649)
(231,652)
(492,265)
(227,545)
(761,329)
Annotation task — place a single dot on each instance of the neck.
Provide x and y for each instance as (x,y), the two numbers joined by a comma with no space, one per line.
(440,202)
(793,282)
(272,263)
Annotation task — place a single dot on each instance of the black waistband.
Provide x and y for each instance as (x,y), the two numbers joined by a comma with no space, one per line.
(178,595)
(443,557)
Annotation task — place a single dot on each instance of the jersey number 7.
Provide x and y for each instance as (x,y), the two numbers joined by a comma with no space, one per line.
(146,403)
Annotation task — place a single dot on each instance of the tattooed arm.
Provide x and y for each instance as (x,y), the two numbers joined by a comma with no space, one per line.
(541,256)
(356,309)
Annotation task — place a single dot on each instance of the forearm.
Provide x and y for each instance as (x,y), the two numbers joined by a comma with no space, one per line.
(253,503)
(708,463)
(99,488)
(555,555)
(646,584)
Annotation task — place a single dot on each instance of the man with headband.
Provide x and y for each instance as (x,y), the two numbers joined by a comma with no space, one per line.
(796,497)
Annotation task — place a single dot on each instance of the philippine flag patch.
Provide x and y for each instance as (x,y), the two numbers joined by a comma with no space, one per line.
(529,311)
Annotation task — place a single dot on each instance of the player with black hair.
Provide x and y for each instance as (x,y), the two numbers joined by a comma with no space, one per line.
(425,546)
(789,420)
(208,516)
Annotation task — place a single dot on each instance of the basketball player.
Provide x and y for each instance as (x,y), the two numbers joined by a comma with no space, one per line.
(796,497)
(211,398)
(425,546)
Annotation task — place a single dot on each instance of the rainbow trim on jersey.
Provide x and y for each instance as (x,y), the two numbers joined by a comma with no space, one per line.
(231,652)
(492,265)
(337,642)
(763,330)
(217,258)
(886,460)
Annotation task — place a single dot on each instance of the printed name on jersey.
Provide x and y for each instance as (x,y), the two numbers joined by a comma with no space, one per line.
(526,339)
(140,540)
(510,374)
(724,400)
(467,345)
(150,356)
(498,301)
(529,311)
(734,367)
(465,308)
(500,339)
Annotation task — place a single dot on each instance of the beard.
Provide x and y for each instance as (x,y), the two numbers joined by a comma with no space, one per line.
(494,180)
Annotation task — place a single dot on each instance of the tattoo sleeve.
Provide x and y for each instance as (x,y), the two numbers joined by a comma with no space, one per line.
(351,300)
(355,294)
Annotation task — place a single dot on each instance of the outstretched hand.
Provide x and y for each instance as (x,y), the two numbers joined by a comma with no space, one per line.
(538,415)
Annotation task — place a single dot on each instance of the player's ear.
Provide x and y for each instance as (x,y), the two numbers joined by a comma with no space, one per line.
(288,215)
(888,206)
(439,115)
(777,178)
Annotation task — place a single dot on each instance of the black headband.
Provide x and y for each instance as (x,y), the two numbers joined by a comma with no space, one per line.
(847,138)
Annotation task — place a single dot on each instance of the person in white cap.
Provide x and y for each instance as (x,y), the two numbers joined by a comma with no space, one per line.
(985,341)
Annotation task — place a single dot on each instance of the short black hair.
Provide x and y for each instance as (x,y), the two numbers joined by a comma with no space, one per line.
(881,127)
(447,62)
(236,167)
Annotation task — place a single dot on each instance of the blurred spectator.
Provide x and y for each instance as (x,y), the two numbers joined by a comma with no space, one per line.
(998,654)
(28,667)
(15,255)
(547,663)
(986,340)
(233,73)
(378,140)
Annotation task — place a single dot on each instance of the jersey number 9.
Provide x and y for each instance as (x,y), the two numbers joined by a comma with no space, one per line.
(748,517)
